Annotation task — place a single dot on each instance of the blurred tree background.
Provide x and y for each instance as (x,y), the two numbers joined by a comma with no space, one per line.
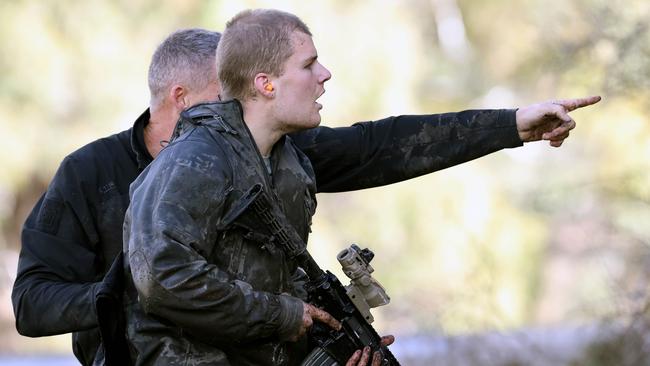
(530,248)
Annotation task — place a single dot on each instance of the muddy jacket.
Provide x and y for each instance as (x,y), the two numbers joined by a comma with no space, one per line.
(219,287)
(215,292)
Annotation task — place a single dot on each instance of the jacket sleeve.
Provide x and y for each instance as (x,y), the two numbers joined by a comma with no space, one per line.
(371,154)
(170,230)
(55,284)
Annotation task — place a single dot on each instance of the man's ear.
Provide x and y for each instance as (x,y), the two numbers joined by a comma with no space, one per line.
(263,85)
(178,96)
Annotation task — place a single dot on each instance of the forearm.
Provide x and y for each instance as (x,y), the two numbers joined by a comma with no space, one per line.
(44,307)
(54,288)
(207,303)
(441,141)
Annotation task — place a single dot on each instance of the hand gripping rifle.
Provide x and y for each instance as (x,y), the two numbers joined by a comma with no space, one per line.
(351,305)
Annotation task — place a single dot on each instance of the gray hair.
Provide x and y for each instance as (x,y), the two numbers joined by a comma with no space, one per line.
(255,41)
(186,57)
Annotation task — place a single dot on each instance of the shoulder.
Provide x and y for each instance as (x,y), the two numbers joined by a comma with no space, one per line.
(327,139)
(95,163)
(200,148)
(189,175)
(194,159)
(103,150)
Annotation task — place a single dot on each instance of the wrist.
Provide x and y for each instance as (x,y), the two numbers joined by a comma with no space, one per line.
(291,311)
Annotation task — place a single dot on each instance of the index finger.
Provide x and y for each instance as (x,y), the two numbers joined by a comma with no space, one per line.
(573,104)
(324,317)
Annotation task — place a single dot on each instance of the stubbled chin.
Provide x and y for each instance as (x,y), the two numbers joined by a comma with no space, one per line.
(315,121)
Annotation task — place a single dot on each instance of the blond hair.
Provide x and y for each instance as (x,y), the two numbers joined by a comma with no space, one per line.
(254,41)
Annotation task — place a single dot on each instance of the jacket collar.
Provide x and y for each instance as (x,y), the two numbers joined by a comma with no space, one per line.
(142,156)
(225,116)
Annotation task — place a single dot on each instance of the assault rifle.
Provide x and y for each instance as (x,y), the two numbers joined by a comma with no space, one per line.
(350,306)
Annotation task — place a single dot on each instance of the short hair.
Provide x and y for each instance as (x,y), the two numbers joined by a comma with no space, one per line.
(186,57)
(254,41)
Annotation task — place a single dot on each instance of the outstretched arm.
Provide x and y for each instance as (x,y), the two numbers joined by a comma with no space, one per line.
(372,154)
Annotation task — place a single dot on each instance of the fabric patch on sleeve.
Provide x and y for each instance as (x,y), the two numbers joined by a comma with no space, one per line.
(49,216)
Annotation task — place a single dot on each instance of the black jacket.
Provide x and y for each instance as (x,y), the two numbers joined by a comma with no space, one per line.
(72,236)
(75,230)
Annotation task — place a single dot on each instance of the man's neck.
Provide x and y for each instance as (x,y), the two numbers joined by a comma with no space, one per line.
(265,132)
(159,129)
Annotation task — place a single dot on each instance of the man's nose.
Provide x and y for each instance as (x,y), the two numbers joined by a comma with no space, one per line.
(325,74)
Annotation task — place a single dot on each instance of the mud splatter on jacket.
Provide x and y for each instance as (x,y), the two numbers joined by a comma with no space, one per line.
(210,294)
